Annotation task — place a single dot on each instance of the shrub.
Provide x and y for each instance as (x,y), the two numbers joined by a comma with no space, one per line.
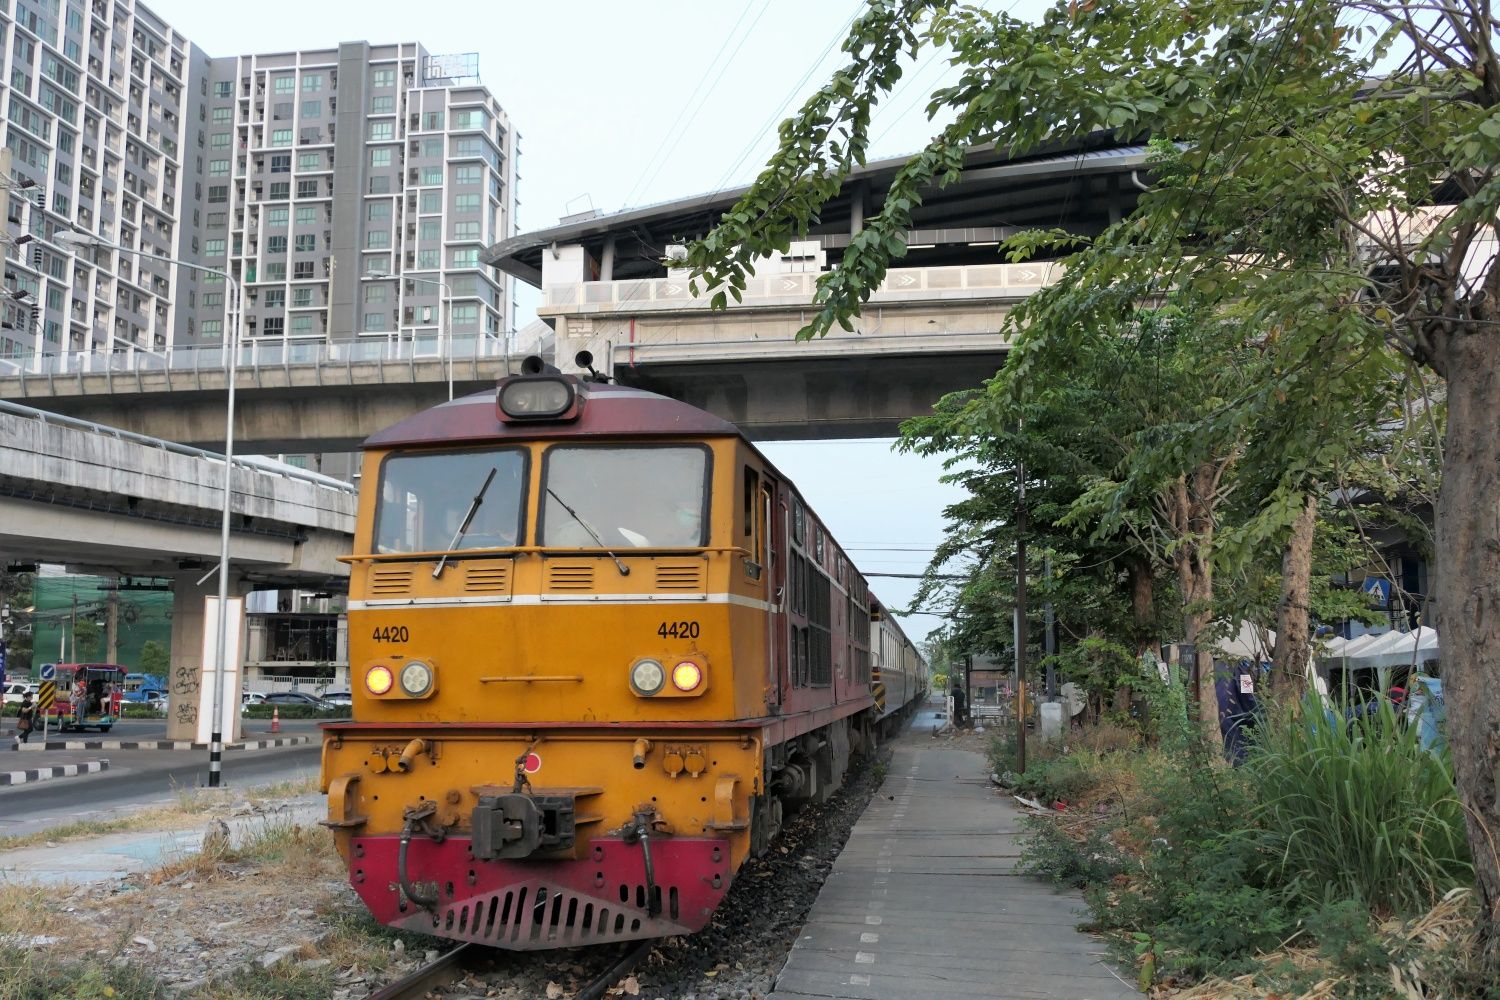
(1051,780)
(1357,810)
(1051,854)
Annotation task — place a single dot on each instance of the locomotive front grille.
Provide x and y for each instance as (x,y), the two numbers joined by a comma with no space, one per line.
(537,915)
(680,576)
(390,582)
(493,578)
(570,576)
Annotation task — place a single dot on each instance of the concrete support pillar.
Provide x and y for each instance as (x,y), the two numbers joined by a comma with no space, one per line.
(190,675)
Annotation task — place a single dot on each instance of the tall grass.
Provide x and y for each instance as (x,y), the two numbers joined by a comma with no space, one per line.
(1357,811)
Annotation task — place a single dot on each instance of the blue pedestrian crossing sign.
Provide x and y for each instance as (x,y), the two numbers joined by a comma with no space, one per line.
(49,671)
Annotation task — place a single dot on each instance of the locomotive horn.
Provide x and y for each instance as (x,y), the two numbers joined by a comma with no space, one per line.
(533,364)
(585,360)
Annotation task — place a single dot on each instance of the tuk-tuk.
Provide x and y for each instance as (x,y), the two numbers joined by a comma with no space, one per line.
(88,695)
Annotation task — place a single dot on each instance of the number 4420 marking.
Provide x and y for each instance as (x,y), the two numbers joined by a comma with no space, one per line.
(678,630)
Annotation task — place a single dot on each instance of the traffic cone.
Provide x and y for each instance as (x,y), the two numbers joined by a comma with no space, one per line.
(275,719)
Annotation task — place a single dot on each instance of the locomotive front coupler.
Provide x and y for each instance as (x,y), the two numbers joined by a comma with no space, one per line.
(418,818)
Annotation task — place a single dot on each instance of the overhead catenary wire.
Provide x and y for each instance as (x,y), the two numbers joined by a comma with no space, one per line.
(669,142)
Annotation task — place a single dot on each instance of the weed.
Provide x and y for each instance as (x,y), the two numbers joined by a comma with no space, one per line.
(1052,854)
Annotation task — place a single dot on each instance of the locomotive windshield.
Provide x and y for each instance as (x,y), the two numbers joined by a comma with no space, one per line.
(629,497)
(424,498)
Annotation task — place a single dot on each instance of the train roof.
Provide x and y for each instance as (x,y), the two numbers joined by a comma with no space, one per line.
(606,410)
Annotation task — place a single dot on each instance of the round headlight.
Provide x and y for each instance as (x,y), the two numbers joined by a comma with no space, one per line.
(687,675)
(647,677)
(378,679)
(416,678)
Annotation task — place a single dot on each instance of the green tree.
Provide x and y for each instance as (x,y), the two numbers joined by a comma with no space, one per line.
(155,658)
(1328,182)
(87,636)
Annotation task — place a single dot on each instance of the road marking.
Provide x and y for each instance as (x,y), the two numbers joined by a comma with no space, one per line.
(864,958)
(869,937)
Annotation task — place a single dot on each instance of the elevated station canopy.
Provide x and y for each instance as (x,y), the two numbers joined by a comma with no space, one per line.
(1080,187)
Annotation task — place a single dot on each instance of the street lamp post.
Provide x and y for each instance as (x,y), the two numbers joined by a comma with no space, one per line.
(233,320)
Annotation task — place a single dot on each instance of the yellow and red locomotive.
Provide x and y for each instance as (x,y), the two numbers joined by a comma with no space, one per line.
(598,645)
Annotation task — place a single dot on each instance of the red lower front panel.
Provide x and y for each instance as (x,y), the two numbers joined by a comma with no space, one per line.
(532,905)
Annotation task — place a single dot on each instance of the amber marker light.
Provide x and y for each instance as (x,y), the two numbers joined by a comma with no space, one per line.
(379,679)
(687,675)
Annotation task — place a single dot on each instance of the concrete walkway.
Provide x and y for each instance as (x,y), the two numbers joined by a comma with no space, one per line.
(924,901)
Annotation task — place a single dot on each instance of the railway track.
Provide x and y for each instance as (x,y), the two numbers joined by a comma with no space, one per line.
(454,965)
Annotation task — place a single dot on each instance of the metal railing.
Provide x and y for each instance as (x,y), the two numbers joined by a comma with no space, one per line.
(262,466)
(266,353)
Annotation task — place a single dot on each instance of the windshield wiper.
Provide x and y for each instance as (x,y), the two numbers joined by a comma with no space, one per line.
(624,570)
(458,535)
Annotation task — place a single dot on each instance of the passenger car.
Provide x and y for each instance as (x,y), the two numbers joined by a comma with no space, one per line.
(16,690)
(296,698)
(343,699)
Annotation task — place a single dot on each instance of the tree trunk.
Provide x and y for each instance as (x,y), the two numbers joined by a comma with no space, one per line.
(1468,603)
(1289,672)
(1143,619)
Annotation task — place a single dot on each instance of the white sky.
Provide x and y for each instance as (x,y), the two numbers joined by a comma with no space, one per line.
(633,103)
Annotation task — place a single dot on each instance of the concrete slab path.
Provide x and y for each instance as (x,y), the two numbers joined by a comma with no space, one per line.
(925,901)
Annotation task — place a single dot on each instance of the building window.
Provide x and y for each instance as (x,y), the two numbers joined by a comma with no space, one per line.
(307,189)
(214,248)
(301,327)
(213,300)
(276,271)
(377,239)
(380,184)
(221,116)
(467,175)
(306,242)
(273,326)
(312,84)
(375,294)
(432,202)
(301,297)
(429,230)
(281,137)
(378,211)
(380,157)
(282,163)
(276,298)
(224,88)
(307,215)
(466,230)
(377,265)
(276,244)
(302,270)
(432,121)
(285,85)
(276,216)
(218,168)
(382,105)
(375,320)
(308,161)
(428,259)
(382,131)
(432,176)
(432,149)
(383,78)
(473,119)
(465,312)
(280,190)
(468,147)
(466,258)
(281,111)
(217,220)
(212,329)
(466,203)
(219,140)
(311,110)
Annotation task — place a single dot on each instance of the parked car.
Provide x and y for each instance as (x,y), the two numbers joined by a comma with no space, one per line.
(297,698)
(153,699)
(251,698)
(343,699)
(16,690)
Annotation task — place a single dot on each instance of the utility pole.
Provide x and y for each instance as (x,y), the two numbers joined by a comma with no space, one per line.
(112,624)
(1049,636)
(1020,624)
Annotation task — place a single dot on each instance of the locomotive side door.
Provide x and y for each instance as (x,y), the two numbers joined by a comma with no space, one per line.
(774,510)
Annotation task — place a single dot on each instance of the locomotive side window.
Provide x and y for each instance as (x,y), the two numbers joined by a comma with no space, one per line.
(424,498)
(625,497)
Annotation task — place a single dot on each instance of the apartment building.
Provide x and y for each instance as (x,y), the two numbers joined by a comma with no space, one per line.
(349,190)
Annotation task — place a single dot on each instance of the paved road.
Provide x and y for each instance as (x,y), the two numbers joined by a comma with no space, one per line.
(137,778)
(156,729)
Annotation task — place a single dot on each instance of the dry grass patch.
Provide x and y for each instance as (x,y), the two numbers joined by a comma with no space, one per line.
(191,805)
